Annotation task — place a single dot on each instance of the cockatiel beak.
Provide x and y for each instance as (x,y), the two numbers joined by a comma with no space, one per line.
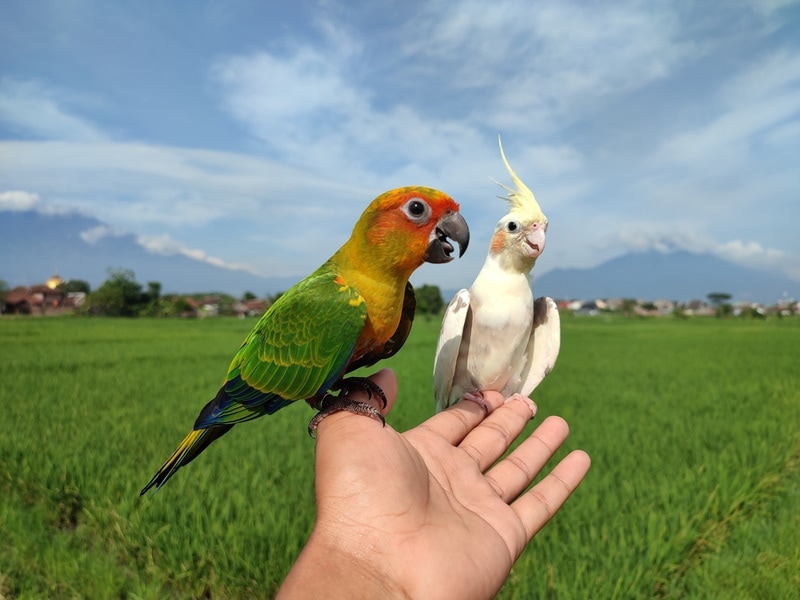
(451,226)
(535,239)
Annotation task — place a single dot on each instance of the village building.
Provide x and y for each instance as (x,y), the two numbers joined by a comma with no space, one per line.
(42,299)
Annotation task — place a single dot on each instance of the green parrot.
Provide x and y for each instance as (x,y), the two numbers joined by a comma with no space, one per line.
(354,310)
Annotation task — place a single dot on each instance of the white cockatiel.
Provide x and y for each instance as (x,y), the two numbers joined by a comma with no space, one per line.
(494,336)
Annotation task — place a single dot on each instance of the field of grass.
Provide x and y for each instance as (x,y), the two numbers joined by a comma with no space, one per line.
(692,427)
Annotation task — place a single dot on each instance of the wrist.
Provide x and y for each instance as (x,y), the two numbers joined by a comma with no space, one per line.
(334,566)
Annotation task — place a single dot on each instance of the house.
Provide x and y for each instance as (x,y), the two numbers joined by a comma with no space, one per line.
(38,299)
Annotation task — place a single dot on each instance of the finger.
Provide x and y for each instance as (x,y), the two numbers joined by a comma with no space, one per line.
(457,421)
(387,381)
(537,506)
(487,442)
(515,472)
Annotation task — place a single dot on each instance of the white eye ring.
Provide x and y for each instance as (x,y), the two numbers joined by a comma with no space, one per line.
(417,210)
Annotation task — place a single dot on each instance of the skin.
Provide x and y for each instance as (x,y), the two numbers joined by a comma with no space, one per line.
(427,513)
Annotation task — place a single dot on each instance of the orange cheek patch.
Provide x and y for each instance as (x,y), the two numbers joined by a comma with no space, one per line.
(498,241)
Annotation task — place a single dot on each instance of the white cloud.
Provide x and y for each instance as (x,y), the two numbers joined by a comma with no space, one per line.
(126,184)
(767,76)
(31,108)
(753,254)
(541,66)
(166,246)
(769,7)
(18,200)
(745,253)
(731,136)
(270,92)
(758,103)
(306,106)
(95,234)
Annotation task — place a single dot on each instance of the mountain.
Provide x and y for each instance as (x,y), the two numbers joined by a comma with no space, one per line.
(33,246)
(676,275)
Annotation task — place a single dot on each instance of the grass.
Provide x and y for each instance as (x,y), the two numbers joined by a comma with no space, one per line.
(691,425)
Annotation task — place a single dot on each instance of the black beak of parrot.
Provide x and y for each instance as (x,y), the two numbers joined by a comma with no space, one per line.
(451,226)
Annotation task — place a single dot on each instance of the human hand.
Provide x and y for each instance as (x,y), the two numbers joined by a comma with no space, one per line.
(427,513)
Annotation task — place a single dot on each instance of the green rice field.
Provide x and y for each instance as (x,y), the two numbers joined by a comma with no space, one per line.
(693,427)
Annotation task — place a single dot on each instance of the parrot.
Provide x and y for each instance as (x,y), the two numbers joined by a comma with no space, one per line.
(354,310)
(494,336)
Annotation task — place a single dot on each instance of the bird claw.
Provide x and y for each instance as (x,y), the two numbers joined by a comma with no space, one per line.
(329,404)
(364,384)
(333,404)
(477,398)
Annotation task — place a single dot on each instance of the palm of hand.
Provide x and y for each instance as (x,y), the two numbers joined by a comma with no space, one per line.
(423,510)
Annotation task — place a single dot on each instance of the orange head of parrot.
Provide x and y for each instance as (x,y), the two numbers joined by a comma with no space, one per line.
(404,227)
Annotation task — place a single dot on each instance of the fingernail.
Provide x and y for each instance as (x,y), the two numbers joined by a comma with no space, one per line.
(525,400)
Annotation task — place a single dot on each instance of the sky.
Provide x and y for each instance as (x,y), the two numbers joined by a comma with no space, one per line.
(252,134)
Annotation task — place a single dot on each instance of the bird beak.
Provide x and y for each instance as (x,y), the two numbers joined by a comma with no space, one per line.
(451,226)
(535,239)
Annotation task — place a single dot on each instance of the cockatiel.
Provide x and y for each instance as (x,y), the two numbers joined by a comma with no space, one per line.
(354,310)
(493,335)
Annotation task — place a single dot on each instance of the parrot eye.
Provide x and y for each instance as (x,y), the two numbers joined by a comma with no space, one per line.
(512,226)
(417,210)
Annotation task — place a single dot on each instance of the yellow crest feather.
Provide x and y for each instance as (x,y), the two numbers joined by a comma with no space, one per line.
(521,199)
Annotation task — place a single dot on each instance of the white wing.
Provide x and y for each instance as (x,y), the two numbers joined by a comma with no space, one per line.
(444,365)
(544,344)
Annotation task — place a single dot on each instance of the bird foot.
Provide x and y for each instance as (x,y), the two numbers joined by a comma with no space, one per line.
(476,397)
(329,404)
(363,384)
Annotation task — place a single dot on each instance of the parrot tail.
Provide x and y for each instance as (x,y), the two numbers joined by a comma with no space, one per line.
(191,446)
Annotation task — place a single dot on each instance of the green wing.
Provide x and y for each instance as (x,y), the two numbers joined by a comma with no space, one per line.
(298,350)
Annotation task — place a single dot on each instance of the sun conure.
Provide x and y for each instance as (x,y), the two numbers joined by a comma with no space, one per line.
(354,310)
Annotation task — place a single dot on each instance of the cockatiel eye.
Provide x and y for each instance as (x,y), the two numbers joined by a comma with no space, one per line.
(512,226)
(417,210)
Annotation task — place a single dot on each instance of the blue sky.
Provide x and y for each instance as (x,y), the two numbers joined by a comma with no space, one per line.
(252,134)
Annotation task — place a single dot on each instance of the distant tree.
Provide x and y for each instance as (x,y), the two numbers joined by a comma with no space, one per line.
(75,285)
(717,298)
(154,291)
(628,306)
(720,301)
(225,304)
(723,310)
(174,306)
(182,307)
(151,300)
(752,312)
(248,295)
(679,313)
(429,299)
(4,289)
(119,296)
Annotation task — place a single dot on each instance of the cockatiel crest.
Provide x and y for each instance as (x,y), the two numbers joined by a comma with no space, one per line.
(521,199)
(494,336)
